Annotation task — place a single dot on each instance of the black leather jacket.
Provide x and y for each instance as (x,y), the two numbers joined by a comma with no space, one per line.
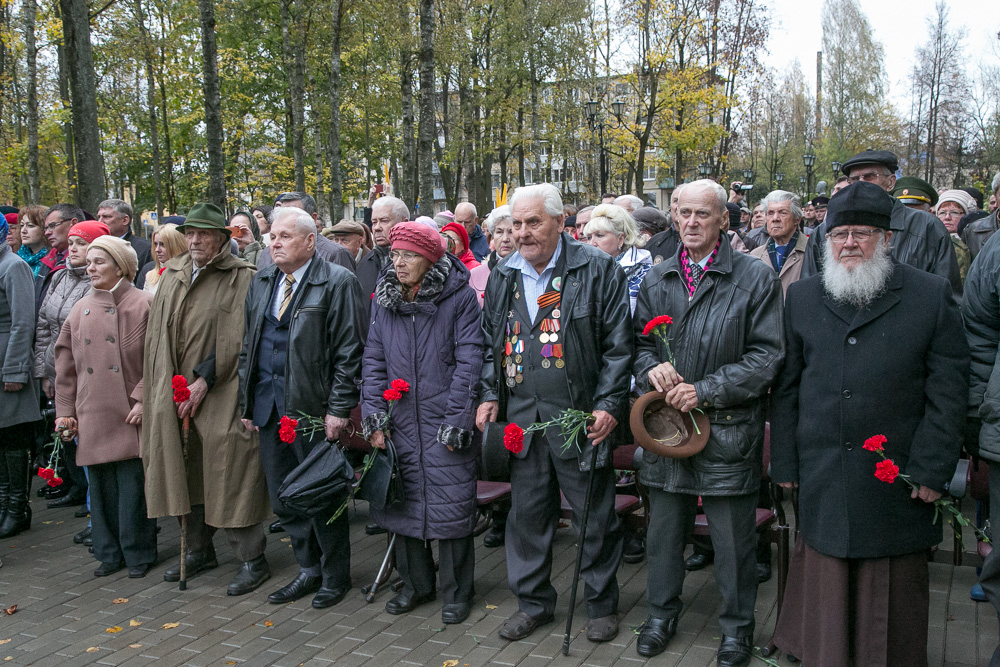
(729,343)
(597,322)
(326,341)
(918,239)
(977,233)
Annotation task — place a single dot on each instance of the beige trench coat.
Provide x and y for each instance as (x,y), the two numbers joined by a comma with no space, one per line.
(791,268)
(221,468)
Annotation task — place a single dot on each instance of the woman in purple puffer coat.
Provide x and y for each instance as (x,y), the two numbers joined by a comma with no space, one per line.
(425,330)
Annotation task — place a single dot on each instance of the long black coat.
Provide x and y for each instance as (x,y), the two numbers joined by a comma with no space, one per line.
(898,368)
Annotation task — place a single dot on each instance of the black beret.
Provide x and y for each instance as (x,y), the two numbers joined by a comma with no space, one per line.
(887,158)
(570,221)
(976,194)
(861,204)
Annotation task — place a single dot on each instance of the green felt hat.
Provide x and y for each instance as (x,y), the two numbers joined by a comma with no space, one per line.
(205,216)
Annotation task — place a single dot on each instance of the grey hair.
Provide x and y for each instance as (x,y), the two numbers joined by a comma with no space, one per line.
(307,202)
(468,203)
(779,196)
(303,222)
(585,209)
(121,206)
(496,216)
(615,219)
(630,199)
(548,193)
(67,211)
(996,182)
(677,192)
(713,187)
(397,208)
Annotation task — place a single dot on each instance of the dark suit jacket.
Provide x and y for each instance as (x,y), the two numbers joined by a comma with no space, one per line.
(898,368)
(143,251)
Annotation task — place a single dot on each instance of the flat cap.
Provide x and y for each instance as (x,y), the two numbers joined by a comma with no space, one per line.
(887,158)
(347,227)
(913,190)
(861,204)
(820,201)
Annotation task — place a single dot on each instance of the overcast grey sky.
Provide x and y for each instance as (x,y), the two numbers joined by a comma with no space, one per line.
(796,32)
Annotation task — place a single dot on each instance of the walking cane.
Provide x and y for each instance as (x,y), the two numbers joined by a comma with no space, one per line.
(185,432)
(579,551)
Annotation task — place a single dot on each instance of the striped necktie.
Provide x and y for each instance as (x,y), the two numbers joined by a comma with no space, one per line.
(287,298)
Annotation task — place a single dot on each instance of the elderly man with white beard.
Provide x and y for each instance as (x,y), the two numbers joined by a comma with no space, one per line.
(876,366)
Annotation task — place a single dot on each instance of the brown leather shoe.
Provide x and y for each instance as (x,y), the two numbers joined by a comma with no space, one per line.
(520,625)
(602,629)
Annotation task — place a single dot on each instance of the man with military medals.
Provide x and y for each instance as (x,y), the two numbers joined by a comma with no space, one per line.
(558,336)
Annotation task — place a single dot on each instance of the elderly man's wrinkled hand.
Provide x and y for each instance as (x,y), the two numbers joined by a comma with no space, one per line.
(788,485)
(683,396)
(13,386)
(603,424)
(925,494)
(664,377)
(487,412)
(248,425)
(377,440)
(198,390)
(334,425)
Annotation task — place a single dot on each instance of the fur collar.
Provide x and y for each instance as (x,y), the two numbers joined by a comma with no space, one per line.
(389,293)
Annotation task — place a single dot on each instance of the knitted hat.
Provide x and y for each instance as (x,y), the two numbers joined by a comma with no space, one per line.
(960,197)
(458,229)
(418,238)
(88,230)
(863,203)
(121,252)
(11,218)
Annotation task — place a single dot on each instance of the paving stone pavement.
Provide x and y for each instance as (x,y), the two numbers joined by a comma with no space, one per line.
(64,613)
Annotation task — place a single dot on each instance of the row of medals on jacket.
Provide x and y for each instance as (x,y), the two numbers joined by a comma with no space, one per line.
(551,346)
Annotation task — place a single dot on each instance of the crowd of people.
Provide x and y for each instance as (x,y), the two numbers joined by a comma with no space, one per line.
(189,375)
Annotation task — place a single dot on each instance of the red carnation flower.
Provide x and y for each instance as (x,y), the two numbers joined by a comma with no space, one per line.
(392,395)
(400,385)
(181,394)
(55,481)
(286,429)
(655,322)
(886,471)
(874,443)
(46,473)
(513,438)
(178,382)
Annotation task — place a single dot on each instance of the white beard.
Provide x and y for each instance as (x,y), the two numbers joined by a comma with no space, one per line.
(861,285)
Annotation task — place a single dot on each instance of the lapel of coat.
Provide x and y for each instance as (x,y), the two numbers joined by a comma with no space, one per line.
(858,318)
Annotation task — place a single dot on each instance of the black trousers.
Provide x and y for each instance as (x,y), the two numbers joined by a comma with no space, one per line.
(121,529)
(731,525)
(989,578)
(457,567)
(315,543)
(531,528)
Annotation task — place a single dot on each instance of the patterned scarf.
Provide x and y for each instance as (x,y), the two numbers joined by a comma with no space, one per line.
(34,260)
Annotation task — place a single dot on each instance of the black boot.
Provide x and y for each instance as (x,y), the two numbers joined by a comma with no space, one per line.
(250,576)
(18,515)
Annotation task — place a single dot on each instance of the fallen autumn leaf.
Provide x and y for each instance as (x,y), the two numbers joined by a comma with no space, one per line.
(114,629)
(119,601)
(93,649)
(134,623)
(170,626)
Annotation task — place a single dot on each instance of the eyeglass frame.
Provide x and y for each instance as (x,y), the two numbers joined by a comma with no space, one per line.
(859,235)
(408,257)
(51,226)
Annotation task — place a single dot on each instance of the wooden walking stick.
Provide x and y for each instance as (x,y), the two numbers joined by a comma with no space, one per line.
(185,433)
(579,551)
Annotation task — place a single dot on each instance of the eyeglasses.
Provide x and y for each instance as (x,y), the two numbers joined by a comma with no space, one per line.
(950,214)
(840,235)
(53,225)
(404,256)
(870,177)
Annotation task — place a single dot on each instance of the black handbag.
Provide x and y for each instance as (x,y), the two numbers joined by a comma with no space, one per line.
(382,485)
(320,482)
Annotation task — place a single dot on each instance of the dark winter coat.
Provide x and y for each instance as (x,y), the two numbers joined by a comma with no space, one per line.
(325,340)
(897,368)
(435,344)
(17,317)
(919,239)
(977,233)
(597,332)
(981,312)
(727,342)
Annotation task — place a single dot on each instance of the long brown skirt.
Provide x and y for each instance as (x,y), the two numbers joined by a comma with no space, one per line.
(869,612)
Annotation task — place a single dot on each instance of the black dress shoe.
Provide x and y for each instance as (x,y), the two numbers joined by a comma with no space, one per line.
(82,512)
(634,549)
(88,541)
(276,527)
(69,500)
(403,603)
(249,577)
(327,597)
(82,535)
(53,492)
(139,571)
(654,635)
(734,652)
(300,587)
(763,572)
(196,562)
(454,613)
(697,561)
(495,537)
(108,568)
(374,529)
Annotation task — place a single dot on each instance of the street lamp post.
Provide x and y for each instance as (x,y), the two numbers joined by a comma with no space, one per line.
(836,169)
(597,123)
(809,160)
(704,170)
(748,178)
(778,178)
(802,186)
